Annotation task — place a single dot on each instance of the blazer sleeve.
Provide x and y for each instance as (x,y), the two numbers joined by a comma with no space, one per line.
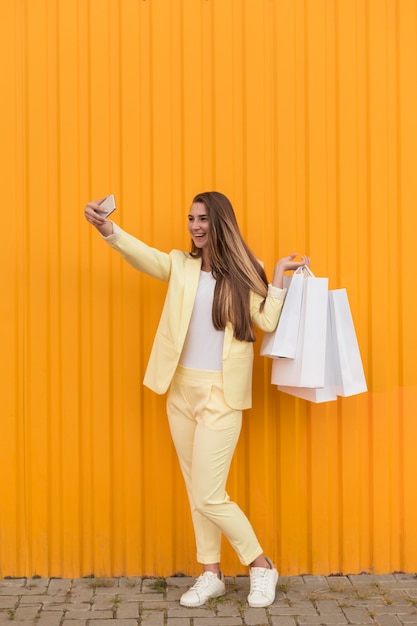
(142,257)
(266,317)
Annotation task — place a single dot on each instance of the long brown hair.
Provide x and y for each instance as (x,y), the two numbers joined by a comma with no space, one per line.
(234,266)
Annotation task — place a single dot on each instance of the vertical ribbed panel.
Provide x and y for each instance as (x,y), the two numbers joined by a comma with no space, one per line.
(304,113)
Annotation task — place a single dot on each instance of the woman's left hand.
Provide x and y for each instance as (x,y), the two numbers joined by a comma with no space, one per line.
(285,264)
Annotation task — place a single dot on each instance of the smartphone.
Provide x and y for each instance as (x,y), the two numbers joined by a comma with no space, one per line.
(109,205)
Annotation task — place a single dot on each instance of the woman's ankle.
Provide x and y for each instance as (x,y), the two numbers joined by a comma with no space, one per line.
(260,561)
(214,568)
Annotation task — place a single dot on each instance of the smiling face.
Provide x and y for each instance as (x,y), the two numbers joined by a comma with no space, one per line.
(198,224)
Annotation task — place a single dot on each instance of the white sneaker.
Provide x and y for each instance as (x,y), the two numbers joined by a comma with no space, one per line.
(208,585)
(263,581)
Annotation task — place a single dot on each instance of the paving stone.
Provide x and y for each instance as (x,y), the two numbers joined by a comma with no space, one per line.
(254,617)
(150,597)
(35,587)
(153,618)
(358,615)
(80,594)
(59,585)
(315,581)
(130,582)
(190,612)
(299,597)
(10,581)
(116,622)
(220,621)
(392,609)
(339,582)
(66,606)
(88,581)
(294,581)
(367,602)
(396,596)
(292,610)
(129,593)
(27,612)
(149,584)
(51,599)
(407,583)
(409,619)
(366,579)
(327,606)
(387,620)
(12,587)
(105,586)
(49,619)
(127,610)
(321,620)
(175,621)
(91,615)
(228,607)
(105,602)
(8,602)
(38,599)
(160,604)
(283,621)
(174,594)
(180,581)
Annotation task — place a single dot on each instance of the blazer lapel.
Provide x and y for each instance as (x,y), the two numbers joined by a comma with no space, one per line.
(191,278)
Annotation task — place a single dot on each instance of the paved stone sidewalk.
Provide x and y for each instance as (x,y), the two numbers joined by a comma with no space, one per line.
(300,601)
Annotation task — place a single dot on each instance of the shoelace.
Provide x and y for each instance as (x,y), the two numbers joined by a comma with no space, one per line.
(202,581)
(258,580)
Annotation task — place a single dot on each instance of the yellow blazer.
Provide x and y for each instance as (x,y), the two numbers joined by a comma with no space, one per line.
(182,273)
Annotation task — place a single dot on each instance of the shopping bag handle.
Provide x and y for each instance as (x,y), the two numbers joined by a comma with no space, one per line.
(305,270)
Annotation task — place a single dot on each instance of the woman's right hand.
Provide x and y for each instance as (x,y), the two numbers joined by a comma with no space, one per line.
(288,264)
(94,216)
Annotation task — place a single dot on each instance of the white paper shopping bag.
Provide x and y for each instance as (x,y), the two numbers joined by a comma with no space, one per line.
(350,377)
(283,341)
(319,394)
(307,368)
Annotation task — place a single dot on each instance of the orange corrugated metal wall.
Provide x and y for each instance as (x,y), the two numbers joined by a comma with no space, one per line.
(304,113)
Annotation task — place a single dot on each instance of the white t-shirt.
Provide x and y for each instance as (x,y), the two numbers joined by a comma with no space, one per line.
(203,346)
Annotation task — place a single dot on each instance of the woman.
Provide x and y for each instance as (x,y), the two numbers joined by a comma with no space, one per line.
(203,354)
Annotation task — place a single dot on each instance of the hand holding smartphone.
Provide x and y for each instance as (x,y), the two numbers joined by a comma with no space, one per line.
(107,206)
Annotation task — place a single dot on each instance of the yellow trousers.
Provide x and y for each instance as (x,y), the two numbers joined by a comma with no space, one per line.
(205,432)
